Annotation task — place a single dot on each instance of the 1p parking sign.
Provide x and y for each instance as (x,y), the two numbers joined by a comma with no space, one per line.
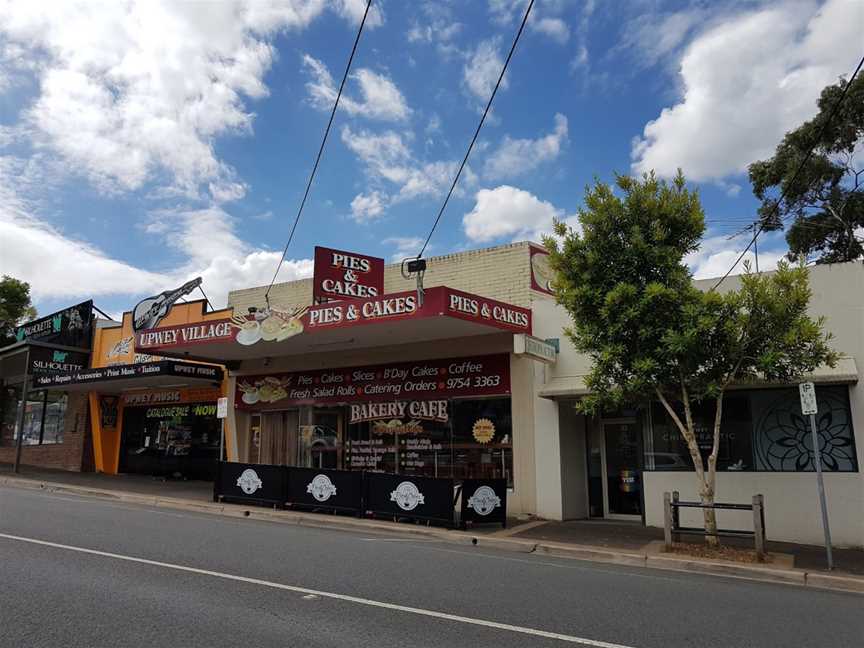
(808,398)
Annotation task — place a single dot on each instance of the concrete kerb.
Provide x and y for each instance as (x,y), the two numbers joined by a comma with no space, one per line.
(799,577)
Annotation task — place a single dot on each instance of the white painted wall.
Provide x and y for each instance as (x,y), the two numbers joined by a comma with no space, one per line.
(791,503)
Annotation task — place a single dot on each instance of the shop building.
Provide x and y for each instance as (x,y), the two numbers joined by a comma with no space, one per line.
(148,414)
(468,383)
(53,425)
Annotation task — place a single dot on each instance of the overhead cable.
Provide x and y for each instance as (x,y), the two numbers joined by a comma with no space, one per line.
(320,150)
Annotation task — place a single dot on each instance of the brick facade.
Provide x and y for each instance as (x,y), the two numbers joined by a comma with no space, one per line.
(69,455)
(502,273)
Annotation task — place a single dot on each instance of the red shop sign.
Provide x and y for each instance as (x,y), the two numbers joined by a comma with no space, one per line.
(421,380)
(342,275)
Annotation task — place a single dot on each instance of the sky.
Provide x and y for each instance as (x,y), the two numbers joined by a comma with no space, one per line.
(146,143)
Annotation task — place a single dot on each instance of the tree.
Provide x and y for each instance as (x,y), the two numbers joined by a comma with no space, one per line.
(826,198)
(651,334)
(15,307)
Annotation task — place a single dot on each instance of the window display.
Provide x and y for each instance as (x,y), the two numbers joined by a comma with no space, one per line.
(171,441)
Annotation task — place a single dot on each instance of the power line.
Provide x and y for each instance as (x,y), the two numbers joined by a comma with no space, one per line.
(320,150)
(479,126)
(797,171)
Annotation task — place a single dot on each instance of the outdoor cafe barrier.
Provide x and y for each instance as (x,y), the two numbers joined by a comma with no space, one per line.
(425,499)
(422,499)
(483,501)
(330,490)
(250,483)
(673,530)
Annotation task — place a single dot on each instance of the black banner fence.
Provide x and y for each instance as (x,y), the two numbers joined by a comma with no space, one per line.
(484,501)
(333,490)
(426,499)
(250,483)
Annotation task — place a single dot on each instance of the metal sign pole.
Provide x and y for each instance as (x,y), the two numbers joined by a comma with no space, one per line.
(221,439)
(810,407)
(817,459)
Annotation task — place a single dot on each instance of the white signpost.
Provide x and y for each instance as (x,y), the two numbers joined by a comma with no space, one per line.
(809,408)
(221,414)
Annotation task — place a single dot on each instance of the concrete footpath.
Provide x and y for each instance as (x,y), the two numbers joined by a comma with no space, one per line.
(523,538)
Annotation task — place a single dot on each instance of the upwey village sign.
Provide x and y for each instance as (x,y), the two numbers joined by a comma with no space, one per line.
(339,275)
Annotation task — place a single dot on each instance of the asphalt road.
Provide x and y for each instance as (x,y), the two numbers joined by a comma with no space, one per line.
(87,572)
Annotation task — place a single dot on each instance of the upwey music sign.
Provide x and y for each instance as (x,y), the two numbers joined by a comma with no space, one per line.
(342,275)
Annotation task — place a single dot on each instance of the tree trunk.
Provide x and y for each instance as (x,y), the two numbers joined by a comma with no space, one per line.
(709,485)
(705,478)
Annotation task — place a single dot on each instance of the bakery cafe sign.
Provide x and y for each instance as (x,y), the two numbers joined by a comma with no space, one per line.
(342,275)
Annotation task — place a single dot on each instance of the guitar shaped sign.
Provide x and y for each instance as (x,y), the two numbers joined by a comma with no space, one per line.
(150,311)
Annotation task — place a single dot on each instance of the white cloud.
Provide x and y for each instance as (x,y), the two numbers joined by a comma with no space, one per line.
(746,82)
(555,28)
(503,11)
(129,92)
(406,246)
(716,255)
(353,11)
(66,267)
(516,156)
(509,212)
(221,258)
(482,69)
(388,159)
(368,206)
(381,99)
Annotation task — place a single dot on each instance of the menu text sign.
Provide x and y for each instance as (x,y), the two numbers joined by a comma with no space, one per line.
(399,381)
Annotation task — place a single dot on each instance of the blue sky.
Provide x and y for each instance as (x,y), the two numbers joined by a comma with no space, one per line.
(142,143)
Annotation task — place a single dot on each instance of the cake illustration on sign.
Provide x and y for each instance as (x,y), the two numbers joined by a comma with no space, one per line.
(484,500)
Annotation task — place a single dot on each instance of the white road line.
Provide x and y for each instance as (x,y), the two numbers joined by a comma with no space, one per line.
(331,595)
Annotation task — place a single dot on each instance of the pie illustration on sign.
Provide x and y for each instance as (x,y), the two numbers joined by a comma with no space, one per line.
(270,324)
(483,430)
(321,488)
(249,482)
(407,496)
(484,500)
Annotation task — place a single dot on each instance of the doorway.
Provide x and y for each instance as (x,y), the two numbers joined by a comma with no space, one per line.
(614,475)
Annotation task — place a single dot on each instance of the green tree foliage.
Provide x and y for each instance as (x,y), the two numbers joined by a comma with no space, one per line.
(651,334)
(825,201)
(15,307)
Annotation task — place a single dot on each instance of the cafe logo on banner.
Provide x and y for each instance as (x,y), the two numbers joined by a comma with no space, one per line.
(484,500)
(407,496)
(321,488)
(249,482)
(342,275)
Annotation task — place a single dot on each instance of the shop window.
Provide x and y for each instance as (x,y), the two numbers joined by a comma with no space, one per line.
(762,430)
(482,439)
(404,446)
(782,437)
(666,449)
(44,417)
(11,401)
(172,440)
(55,414)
